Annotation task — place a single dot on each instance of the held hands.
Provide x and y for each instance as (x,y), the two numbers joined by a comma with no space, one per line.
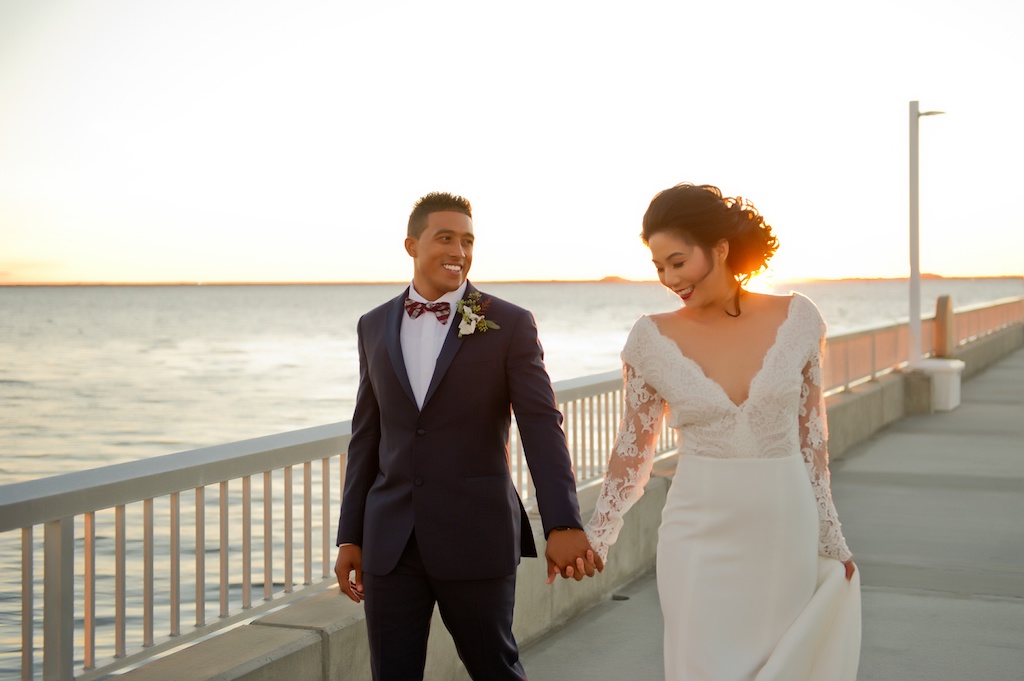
(569,553)
(850,568)
(350,559)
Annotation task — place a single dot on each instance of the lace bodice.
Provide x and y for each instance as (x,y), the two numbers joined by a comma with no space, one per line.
(784,415)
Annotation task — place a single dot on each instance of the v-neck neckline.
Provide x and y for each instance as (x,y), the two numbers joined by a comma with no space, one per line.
(753,381)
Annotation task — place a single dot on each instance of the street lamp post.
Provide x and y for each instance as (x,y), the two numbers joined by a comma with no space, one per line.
(915,255)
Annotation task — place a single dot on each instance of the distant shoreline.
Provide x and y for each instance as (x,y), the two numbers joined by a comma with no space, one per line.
(605,280)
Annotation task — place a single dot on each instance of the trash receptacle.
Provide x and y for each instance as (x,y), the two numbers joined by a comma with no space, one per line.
(945,375)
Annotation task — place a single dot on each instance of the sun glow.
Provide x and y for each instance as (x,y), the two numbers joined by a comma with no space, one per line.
(761,283)
(287,142)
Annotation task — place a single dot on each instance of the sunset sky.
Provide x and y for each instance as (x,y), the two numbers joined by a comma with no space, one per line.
(265,140)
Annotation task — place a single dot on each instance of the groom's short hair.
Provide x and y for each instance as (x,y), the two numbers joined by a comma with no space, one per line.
(433,203)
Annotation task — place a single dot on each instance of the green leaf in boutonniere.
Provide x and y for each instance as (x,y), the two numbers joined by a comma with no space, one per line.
(472,312)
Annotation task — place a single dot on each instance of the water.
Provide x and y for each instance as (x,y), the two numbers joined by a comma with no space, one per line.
(91,376)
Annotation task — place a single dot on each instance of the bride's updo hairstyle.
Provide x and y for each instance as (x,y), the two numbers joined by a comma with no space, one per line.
(701,216)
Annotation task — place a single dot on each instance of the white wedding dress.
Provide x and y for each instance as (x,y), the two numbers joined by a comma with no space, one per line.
(749,569)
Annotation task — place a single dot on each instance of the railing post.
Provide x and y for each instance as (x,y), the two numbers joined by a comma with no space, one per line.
(874,357)
(944,337)
(58,599)
(27,605)
(846,366)
(325,516)
(175,559)
(120,586)
(200,556)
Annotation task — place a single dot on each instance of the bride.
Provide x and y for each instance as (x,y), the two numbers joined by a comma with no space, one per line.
(755,579)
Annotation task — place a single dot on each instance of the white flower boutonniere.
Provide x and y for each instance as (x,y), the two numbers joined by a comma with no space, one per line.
(472,312)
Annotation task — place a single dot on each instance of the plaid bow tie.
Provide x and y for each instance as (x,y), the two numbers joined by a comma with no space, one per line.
(415,308)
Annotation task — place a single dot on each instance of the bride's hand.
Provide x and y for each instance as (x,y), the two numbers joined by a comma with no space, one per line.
(850,568)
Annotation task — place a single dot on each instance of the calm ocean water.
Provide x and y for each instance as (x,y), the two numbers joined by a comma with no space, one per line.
(96,375)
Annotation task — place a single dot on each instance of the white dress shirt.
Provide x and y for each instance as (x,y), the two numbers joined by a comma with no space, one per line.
(422,339)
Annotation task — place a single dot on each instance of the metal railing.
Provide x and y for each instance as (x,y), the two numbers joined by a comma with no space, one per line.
(112,549)
(853,358)
(117,576)
(976,321)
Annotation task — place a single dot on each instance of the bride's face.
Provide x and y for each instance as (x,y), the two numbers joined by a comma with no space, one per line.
(697,277)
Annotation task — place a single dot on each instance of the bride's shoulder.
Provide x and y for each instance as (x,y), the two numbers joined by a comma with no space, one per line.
(643,325)
(773,301)
(659,324)
(785,302)
(643,334)
(658,319)
(794,307)
(804,308)
(805,303)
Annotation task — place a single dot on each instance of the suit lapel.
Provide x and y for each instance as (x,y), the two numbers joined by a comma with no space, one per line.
(451,346)
(393,339)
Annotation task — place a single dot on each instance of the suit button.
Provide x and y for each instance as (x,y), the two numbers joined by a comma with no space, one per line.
(418,482)
(421,431)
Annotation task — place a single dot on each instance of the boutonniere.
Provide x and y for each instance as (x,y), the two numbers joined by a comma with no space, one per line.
(472,312)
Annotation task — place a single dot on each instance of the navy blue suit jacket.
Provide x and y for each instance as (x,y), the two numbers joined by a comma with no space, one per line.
(442,472)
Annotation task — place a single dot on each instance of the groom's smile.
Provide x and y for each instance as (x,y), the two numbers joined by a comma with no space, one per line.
(442,254)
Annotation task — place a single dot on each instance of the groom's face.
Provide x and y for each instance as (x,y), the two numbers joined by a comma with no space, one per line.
(442,254)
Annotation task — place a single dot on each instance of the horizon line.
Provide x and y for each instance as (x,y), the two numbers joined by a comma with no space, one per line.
(604,280)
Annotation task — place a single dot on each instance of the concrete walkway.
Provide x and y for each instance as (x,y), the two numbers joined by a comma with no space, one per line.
(933,509)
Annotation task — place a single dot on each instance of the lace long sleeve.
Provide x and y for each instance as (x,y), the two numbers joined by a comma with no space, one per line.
(631,460)
(814,447)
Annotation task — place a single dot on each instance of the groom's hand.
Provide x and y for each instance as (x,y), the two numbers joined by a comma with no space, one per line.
(350,559)
(569,554)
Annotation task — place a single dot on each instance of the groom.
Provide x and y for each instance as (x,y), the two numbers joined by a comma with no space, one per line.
(429,513)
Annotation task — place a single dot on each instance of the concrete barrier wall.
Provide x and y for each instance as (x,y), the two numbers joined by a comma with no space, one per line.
(324,636)
(989,349)
(855,414)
